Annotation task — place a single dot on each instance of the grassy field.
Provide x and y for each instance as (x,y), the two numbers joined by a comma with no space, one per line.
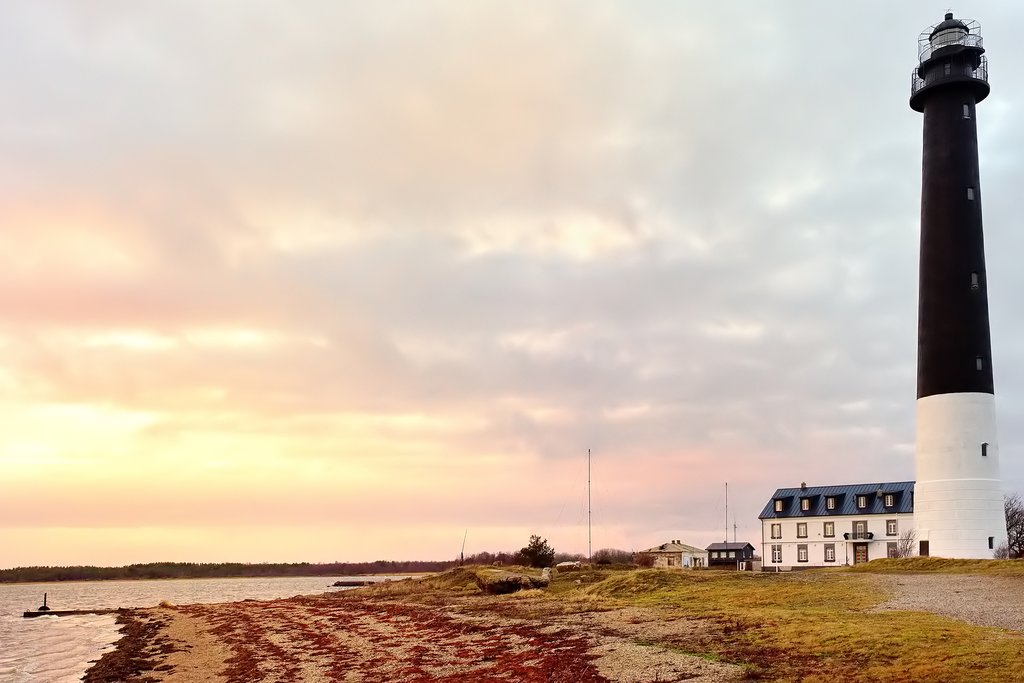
(941,565)
(806,626)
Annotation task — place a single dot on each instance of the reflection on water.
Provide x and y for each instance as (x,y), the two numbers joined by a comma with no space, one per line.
(59,649)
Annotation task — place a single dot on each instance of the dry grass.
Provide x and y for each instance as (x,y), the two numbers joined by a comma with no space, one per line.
(806,626)
(942,566)
(811,626)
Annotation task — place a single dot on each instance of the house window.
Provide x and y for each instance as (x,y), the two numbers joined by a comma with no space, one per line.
(732,553)
(830,552)
(801,552)
(862,502)
(830,503)
(970,194)
(778,506)
(984,449)
(890,527)
(801,530)
(890,500)
(890,549)
(860,529)
(805,504)
(776,553)
(977,363)
(830,529)
(974,281)
(967,107)
(776,531)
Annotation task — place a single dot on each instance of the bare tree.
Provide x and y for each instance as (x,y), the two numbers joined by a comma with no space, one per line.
(643,560)
(906,543)
(1014,507)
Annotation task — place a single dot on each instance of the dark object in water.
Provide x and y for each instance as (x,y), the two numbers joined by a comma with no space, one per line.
(44,608)
(351,583)
(66,612)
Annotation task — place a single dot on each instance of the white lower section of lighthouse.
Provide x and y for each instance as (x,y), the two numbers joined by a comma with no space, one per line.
(958,498)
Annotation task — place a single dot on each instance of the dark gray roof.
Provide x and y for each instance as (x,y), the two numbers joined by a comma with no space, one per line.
(845,500)
(728,546)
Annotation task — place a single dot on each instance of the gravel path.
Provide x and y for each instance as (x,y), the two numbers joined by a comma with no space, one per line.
(981,600)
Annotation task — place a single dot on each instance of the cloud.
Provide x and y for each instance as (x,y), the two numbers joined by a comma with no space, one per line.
(417,258)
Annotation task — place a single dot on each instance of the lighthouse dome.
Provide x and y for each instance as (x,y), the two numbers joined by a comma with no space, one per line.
(949,30)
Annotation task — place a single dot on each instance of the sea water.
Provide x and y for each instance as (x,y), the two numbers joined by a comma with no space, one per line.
(60,649)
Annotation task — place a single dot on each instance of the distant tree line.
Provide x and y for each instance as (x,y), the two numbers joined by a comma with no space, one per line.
(192,570)
(538,553)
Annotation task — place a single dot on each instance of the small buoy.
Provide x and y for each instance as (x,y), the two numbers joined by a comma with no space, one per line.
(44,608)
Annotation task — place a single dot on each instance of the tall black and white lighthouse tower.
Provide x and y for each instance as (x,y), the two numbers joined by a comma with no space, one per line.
(958,499)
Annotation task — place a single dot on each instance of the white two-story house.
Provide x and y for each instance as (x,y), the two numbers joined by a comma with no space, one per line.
(827,526)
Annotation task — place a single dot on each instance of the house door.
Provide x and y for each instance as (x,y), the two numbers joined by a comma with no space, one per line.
(860,553)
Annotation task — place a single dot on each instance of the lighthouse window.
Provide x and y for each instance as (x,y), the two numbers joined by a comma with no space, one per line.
(946,69)
(970,194)
(991,542)
(984,449)
(978,363)
(974,280)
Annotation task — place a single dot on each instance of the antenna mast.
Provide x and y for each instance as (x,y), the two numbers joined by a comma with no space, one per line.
(726,512)
(590,549)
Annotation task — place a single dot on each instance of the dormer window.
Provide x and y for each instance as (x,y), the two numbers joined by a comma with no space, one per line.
(830,503)
(890,500)
(862,502)
(805,504)
(778,506)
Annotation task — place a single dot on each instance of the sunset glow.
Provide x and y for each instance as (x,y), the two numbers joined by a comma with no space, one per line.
(351,281)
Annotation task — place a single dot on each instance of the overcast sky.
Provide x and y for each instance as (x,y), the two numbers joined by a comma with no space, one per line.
(341,281)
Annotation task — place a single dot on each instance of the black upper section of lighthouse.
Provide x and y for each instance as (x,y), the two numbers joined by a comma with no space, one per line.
(954,350)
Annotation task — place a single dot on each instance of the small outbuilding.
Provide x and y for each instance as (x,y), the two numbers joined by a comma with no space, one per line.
(730,555)
(676,554)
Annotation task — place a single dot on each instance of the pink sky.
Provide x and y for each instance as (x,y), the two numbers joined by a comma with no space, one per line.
(344,283)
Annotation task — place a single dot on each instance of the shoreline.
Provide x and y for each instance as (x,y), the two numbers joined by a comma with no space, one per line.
(209,578)
(374,634)
(591,626)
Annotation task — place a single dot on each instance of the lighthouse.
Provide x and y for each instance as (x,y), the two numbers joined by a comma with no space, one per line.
(958,499)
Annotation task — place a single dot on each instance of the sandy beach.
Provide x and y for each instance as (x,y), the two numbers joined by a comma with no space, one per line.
(366,636)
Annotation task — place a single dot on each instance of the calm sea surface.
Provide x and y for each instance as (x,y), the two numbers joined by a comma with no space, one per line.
(59,649)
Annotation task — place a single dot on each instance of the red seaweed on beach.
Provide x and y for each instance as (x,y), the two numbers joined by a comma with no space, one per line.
(373,640)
